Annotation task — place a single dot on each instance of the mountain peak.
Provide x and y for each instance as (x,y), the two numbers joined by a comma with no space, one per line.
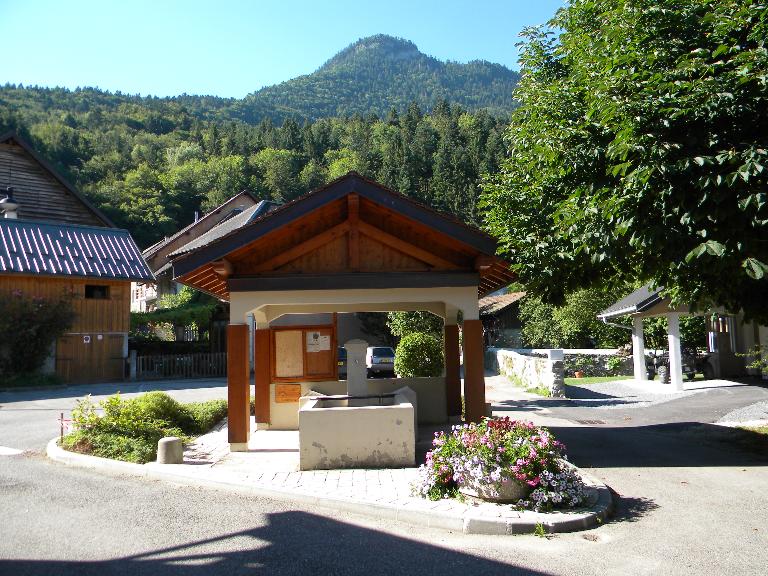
(381,72)
(379,46)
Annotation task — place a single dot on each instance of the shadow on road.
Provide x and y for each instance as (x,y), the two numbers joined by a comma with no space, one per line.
(687,444)
(629,509)
(290,543)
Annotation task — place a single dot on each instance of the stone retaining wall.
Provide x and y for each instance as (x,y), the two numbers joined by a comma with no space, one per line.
(530,371)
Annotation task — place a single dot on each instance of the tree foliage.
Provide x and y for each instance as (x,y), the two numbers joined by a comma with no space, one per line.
(29,326)
(401,324)
(150,164)
(639,152)
(419,355)
(573,324)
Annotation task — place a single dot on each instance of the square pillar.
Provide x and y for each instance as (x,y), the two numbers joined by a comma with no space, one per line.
(474,371)
(238,391)
(675,354)
(262,376)
(638,350)
(452,370)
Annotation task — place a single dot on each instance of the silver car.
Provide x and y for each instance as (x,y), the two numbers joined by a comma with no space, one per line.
(380,360)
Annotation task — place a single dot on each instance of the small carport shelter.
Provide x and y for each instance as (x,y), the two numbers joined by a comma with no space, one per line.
(729,338)
(351,246)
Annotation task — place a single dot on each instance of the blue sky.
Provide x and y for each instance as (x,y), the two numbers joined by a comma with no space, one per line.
(233,47)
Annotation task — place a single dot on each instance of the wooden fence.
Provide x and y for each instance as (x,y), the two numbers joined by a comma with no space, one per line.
(198,365)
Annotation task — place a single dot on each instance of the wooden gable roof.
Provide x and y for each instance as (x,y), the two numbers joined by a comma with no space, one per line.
(352,232)
(42,193)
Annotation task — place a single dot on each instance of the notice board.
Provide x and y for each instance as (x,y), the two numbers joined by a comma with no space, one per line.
(304,353)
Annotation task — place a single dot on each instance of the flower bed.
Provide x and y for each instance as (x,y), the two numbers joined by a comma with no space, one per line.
(483,458)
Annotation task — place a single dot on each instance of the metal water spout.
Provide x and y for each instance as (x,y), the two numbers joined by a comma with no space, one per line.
(357,372)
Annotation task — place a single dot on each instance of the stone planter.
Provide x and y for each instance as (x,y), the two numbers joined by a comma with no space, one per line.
(508,492)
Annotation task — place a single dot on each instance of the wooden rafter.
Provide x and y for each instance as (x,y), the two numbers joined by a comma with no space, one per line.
(353,216)
(404,247)
(303,248)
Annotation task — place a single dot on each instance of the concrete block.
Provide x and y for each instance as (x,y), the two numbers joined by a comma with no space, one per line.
(170,451)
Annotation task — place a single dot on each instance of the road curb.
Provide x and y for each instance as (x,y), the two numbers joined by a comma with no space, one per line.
(472,521)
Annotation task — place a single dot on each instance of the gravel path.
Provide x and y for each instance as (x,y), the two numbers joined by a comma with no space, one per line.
(754,412)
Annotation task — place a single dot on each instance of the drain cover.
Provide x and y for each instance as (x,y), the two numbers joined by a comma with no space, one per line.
(590,422)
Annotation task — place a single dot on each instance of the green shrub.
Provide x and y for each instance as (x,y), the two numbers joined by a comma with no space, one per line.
(108,445)
(29,325)
(130,429)
(205,414)
(160,406)
(613,365)
(419,355)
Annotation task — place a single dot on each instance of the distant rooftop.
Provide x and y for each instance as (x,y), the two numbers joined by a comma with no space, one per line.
(490,305)
(228,225)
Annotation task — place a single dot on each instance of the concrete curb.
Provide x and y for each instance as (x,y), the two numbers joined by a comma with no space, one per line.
(472,521)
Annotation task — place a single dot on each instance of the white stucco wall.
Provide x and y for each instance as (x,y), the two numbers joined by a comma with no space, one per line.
(269,304)
(356,436)
(431,407)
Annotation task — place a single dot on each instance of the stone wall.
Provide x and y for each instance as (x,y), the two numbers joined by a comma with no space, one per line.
(597,363)
(530,371)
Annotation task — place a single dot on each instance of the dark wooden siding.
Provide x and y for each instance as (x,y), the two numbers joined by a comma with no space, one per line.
(39,194)
(92,350)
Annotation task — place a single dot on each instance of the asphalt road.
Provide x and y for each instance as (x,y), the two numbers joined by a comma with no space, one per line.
(30,418)
(689,503)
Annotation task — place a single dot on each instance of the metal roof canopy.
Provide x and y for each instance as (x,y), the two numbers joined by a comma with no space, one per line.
(51,249)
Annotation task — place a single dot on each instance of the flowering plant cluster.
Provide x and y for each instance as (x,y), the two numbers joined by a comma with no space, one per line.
(495,452)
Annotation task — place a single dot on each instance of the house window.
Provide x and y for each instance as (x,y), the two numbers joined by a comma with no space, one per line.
(96,292)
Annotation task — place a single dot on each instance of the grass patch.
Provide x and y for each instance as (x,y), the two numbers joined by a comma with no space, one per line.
(517,381)
(594,380)
(129,430)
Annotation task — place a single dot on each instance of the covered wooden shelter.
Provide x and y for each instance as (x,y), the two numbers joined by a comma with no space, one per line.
(351,246)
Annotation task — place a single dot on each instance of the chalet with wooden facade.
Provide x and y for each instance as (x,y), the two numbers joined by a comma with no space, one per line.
(55,243)
(351,246)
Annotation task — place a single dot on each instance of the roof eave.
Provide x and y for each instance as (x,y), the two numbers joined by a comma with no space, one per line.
(221,247)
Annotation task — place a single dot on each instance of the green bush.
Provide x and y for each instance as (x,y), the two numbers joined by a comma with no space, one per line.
(419,355)
(205,414)
(108,445)
(29,325)
(130,429)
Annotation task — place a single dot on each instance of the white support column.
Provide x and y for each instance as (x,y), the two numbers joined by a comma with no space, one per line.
(638,350)
(675,354)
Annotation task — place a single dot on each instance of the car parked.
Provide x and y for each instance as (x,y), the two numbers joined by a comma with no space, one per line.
(380,360)
(341,357)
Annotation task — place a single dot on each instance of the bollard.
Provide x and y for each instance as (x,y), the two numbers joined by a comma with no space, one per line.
(170,451)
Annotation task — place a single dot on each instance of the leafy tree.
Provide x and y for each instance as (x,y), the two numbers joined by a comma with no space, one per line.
(419,355)
(403,323)
(638,152)
(280,170)
(572,325)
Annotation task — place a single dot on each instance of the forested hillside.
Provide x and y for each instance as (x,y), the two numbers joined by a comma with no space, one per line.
(150,165)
